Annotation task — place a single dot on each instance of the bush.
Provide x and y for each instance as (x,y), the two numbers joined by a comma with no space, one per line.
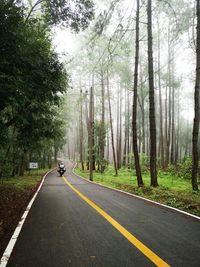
(182,170)
(144,161)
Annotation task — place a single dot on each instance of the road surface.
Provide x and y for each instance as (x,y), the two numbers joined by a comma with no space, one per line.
(76,223)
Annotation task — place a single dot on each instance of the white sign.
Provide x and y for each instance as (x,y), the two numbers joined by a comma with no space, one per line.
(33,165)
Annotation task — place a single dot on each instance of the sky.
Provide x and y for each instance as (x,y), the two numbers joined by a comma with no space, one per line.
(64,41)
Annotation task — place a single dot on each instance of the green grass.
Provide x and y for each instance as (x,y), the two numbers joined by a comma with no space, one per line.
(172,191)
(15,193)
(29,180)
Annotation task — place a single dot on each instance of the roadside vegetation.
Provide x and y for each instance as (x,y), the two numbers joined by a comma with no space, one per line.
(33,81)
(15,193)
(174,189)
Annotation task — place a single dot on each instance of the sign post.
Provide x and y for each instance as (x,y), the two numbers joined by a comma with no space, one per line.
(33,165)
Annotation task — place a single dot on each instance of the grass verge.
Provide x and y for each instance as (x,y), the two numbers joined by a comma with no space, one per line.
(172,191)
(15,193)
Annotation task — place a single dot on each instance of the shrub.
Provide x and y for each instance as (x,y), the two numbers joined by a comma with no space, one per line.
(182,170)
(144,161)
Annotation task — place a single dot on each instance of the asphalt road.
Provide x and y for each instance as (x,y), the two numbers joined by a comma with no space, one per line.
(62,229)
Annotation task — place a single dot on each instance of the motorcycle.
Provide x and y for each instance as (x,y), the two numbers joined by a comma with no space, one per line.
(61,171)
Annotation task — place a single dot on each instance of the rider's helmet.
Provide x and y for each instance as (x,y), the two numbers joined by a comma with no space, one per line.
(61,164)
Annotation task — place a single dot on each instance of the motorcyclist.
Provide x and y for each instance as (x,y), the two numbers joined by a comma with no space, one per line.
(61,168)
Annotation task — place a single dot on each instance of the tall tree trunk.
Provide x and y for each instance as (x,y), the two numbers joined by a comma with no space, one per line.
(73,149)
(169,100)
(169,126)
(128,132)
(125,130)
(160,103)
(134,114)
(173,114)
(139,131)
(141,104)
(91,135)
(111,126)
(93,119)
(119,126)
(166,132)
(81,131)
(117,134)
(108,142)
(152,121)
(143,131)
(195,133)
(102,126)
(173,130)
(120,131)
(88,131)
(147,140)
(177,143)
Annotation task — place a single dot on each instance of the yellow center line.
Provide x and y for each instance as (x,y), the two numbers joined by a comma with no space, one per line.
(133,240)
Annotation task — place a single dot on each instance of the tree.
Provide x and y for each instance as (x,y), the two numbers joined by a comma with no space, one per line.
(102,125)
(81,129)
(75,14)
(160,102)
(91,133)
(11,18)
(134,114)
(109,42)
(111,125)
(195,133)
(152,122)
(31,79)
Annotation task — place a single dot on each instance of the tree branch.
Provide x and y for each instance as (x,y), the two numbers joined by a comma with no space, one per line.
(32,9)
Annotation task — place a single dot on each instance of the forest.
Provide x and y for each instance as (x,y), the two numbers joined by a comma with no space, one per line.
(134,97)
(33,82)
(123,102)
(99,132)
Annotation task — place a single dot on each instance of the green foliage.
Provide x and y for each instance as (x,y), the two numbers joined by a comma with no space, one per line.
(10,18)
(144,163)
(32,82)
(28,181)
(75,14)
(99,136)
(182,170)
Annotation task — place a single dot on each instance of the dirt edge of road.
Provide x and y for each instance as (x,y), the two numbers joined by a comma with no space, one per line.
(13,203)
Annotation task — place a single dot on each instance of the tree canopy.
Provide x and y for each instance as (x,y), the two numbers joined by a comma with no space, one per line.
(33,80)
